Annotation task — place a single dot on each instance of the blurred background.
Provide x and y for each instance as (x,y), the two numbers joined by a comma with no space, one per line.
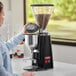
(62,23)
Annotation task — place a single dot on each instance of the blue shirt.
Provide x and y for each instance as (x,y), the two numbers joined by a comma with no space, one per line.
(5,47)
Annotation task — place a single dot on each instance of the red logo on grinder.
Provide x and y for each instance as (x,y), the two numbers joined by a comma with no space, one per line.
(48,57)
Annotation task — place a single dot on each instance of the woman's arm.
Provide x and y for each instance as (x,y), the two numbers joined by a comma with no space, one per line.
(3,72)
(14,41)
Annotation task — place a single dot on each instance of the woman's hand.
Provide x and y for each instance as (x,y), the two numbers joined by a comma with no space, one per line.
(24,29)
(28,74)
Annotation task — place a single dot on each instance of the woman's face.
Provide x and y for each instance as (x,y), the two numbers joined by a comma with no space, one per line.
(2,17)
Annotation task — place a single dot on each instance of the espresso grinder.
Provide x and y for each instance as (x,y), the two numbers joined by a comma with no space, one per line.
(40,42)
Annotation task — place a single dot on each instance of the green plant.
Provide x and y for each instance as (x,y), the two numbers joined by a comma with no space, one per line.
(66,8)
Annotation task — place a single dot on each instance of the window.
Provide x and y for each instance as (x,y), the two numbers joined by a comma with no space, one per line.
(62,23)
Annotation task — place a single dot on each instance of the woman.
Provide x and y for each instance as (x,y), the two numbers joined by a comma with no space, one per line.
(5,66)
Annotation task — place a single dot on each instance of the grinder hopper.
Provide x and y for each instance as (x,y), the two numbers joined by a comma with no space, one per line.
(42,13)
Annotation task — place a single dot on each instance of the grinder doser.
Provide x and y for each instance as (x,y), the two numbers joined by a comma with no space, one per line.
(42,52)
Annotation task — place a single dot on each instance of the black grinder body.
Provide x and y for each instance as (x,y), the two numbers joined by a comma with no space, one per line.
(44,57)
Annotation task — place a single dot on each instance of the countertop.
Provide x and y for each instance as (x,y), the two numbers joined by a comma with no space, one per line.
(60,68)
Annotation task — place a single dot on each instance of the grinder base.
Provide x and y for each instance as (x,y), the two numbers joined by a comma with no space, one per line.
(35,68)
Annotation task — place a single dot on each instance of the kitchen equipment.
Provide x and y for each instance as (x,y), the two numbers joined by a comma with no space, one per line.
(40,42)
